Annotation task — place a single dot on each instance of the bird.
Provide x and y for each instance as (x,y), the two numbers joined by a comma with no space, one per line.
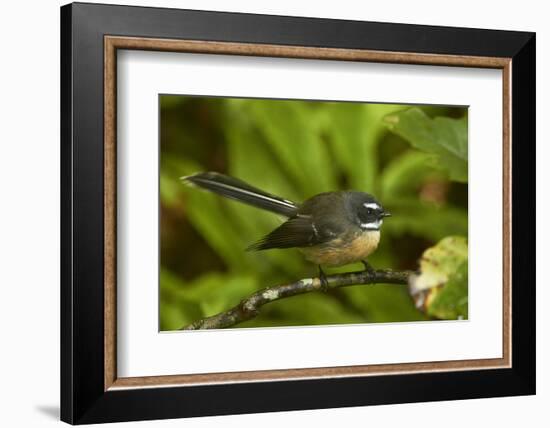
(330,229)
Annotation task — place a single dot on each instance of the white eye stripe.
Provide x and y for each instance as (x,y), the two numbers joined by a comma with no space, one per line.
(373,205)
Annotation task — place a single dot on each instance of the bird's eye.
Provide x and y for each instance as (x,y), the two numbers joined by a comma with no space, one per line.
(370,210)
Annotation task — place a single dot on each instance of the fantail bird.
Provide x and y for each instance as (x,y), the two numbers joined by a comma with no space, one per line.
(331,228)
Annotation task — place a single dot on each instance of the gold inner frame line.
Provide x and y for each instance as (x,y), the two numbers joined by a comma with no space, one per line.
(113,43)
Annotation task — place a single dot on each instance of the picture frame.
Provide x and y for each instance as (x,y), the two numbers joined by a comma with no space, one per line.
(91,36)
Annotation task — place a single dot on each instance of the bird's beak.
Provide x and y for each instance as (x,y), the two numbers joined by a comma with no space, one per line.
(386,214)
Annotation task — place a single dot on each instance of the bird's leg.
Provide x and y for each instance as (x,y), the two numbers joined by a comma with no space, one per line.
(323,279)
(368,268)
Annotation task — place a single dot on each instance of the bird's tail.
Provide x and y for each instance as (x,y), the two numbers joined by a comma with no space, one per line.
(239,190)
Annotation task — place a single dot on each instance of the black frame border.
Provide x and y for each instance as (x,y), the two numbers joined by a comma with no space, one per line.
(83,399)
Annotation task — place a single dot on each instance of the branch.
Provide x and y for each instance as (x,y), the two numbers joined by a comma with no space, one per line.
(250,306)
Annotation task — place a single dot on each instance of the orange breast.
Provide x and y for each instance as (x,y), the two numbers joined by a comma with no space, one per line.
(341,252)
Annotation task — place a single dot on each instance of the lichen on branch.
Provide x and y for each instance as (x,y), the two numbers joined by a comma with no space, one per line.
(249,307)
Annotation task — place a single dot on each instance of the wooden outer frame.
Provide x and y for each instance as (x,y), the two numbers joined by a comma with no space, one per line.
(89,391)
(113,43)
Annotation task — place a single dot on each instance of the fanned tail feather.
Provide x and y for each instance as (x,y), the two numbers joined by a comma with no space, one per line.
(233,188)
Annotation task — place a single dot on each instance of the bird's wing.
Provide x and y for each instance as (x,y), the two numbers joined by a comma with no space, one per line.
(299,231)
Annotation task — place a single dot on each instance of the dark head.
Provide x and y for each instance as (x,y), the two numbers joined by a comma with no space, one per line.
(365,211)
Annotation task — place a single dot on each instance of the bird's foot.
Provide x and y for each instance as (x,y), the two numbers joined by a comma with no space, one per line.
(368,268)
(323,279)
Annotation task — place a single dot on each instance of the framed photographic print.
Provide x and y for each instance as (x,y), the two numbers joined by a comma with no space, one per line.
(265,213)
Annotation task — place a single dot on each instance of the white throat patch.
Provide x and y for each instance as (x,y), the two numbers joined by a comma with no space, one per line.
(373,225)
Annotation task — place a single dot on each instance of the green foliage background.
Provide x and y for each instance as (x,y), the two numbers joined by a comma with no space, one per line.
(413,159)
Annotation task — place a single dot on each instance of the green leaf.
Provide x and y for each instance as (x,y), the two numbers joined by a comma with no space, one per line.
(177,310)
(169,189)
(383,303)
(442,136)
(291,130)
(203,210)
(206,295)
(451,301)
(441,288)
(220,292)
(411,216)
(354,131)
(405,174)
